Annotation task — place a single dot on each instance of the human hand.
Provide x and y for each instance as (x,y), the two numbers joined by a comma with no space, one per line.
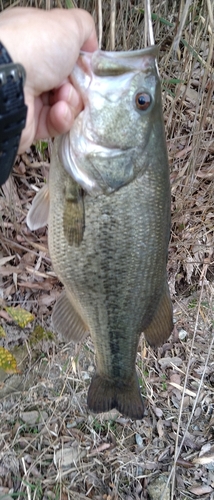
(47,44)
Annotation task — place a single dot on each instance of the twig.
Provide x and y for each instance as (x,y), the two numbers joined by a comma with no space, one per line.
(112,24)
(209,7)
(25,472)
(180,28)
(149,35)
(100,23)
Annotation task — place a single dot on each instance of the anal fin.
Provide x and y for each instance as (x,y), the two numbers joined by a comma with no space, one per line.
(105,394)
(67,322)
(161,325)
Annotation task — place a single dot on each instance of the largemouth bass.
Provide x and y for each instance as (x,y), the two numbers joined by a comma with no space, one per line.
(109,221)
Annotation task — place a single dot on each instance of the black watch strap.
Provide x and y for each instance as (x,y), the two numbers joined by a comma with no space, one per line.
(13,111)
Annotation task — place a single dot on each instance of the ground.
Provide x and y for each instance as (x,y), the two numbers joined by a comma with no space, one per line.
(51,446)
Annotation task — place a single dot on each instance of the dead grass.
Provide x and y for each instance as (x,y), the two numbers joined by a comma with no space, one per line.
(62,451)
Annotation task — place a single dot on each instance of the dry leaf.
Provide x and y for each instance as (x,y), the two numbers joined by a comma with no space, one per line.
(180,388)
(168,362)
(4,260)
(102,447)
(175,378)
(160,428)
(191,94)
(201,490)
(205,459)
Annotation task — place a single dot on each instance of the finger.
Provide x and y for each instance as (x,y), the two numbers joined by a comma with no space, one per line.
(55,120)
(50,57)
(68,94)
(87,31)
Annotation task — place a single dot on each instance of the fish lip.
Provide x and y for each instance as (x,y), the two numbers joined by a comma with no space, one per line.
(106,63)
(120,62)
(124,54)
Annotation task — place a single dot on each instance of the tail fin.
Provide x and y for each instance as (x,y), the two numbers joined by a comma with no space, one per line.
(105,394)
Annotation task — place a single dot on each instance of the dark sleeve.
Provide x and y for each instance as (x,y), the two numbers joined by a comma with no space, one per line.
(13,111)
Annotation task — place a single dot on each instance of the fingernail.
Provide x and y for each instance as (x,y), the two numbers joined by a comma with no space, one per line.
(73,96)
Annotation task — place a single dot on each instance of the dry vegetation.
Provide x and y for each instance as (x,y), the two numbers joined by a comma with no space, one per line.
(51,447)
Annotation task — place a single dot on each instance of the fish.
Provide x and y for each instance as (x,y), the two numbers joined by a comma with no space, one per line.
(108,220)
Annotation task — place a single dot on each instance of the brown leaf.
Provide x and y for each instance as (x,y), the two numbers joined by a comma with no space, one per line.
(160,428)
(102,447)
(201,490)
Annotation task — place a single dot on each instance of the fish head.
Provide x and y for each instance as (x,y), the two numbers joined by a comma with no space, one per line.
(119,91)
(122,103)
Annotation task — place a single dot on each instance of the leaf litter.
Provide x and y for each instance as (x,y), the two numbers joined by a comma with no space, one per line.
(50,445)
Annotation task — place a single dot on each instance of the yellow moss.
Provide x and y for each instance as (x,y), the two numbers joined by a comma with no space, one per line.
(2,332)
(20,316)
(39,333)
(7,361)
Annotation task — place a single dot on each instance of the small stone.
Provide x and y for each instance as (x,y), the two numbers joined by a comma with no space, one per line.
(85,376)
(33,417)
(182,334)
(66,456)
(138,439)
(158,489)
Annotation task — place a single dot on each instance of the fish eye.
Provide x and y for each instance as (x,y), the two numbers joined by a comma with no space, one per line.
(143,100)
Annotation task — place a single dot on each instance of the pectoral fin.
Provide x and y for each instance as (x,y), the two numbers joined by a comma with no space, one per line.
(161,325)
(67,322)
(39,211)
(73,215)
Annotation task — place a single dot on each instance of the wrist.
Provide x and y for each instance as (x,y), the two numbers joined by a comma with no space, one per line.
(12,111)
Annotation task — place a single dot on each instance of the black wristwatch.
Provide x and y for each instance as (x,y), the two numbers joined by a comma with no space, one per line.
(13,111)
